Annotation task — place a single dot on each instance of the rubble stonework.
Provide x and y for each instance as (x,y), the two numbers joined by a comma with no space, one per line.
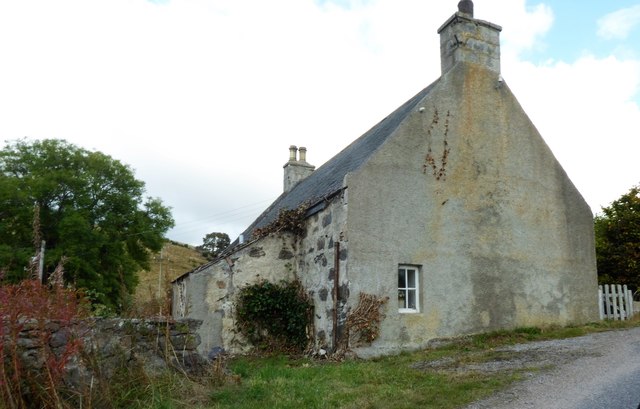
(109,344)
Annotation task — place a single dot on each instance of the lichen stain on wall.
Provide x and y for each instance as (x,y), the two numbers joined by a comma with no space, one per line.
(419,328)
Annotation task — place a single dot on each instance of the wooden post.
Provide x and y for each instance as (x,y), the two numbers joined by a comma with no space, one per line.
(160,277)
(610,301)
(625,294)
(41,261)
(601,302)
(336,292)
(607,306)
(614,302)
(621,302)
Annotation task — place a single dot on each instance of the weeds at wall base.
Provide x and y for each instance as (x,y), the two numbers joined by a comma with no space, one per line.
(33,365)
(109,371)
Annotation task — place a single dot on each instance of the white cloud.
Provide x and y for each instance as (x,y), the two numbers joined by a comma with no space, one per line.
(620,23)
(523,26)
(203,98)
(587,112)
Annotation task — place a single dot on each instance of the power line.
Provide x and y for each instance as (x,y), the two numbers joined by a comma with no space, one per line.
(222,217)
(247,211)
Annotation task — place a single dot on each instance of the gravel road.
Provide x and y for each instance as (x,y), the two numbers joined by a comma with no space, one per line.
(599,370)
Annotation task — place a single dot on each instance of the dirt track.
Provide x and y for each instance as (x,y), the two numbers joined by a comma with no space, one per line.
(580,372)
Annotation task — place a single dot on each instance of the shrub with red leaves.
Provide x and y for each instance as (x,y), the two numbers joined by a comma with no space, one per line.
(32,367)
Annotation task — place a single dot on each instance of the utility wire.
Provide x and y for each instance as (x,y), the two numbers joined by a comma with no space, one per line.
(222,217)
(229,217)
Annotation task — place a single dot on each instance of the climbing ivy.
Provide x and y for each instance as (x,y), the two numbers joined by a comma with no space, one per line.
(274,317)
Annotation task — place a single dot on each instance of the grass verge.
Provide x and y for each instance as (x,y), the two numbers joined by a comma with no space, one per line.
(387,382)
(287,382)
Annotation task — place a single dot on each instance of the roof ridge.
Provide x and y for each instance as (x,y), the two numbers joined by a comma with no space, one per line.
(327,179)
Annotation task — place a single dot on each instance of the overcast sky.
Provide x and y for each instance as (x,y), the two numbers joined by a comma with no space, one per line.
(203,97)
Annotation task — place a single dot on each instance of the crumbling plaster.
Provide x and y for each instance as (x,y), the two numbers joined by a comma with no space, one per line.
(464,188)
(326,234)
(211,291)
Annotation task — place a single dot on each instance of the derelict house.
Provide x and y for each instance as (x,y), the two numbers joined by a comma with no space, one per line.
(453,207)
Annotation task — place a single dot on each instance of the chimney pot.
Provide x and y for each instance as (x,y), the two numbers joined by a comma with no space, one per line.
(466,7)
(296,170)
(293,153)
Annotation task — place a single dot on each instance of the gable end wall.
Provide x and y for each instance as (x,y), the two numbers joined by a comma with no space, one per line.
(469,191)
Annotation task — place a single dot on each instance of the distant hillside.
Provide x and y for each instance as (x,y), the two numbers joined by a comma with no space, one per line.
(153,289)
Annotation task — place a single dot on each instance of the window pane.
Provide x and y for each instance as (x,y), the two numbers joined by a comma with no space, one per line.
(402,283)
(411,299)
(402,299)
(411,275)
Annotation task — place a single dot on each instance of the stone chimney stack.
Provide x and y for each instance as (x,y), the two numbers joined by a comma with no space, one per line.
(466,39)
(295,170)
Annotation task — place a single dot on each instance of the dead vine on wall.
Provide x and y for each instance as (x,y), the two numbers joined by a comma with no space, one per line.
(363,323)
(291,220)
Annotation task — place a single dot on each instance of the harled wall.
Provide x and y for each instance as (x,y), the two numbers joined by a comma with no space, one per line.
(210,292)
(469,191)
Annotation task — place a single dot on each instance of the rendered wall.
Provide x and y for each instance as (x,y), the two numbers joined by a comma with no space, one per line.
(210,293)
(468,190)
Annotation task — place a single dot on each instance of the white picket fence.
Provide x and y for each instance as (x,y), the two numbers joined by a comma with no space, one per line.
(616,302)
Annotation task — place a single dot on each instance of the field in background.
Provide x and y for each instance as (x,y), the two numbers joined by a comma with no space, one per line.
(152,296)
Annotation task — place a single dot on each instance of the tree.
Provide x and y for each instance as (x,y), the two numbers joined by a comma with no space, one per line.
(91,211)
(617,232)
(213,244)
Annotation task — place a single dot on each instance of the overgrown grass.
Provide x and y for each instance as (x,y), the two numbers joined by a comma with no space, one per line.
(134,389)
(381,383)
(281,382)
(528,334)
(387,382)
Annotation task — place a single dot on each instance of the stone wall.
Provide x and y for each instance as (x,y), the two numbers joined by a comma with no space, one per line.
(109,344)
(321,259)
(209,292)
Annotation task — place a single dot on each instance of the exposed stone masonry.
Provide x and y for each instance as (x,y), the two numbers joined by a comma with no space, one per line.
(109,344)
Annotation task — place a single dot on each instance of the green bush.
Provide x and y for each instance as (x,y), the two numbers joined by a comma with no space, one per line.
(274,316)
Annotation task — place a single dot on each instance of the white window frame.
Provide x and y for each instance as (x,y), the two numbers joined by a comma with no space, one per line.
(404,292)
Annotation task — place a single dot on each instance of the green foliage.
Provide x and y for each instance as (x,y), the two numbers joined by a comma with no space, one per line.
(274,316)
(388,381)
(92,211)
(213,244)
(617,232)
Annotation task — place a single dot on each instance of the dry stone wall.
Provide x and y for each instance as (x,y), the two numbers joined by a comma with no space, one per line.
(110,344)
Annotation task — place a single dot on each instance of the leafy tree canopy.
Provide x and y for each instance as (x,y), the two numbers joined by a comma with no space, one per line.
(91,210)
(618,240)
(213,244)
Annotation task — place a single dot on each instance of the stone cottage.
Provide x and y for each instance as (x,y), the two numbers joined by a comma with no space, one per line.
(452,206)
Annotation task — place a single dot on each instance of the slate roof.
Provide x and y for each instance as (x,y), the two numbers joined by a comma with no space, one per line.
(327,180)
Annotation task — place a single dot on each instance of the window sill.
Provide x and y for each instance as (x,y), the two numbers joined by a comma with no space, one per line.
(408,311)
